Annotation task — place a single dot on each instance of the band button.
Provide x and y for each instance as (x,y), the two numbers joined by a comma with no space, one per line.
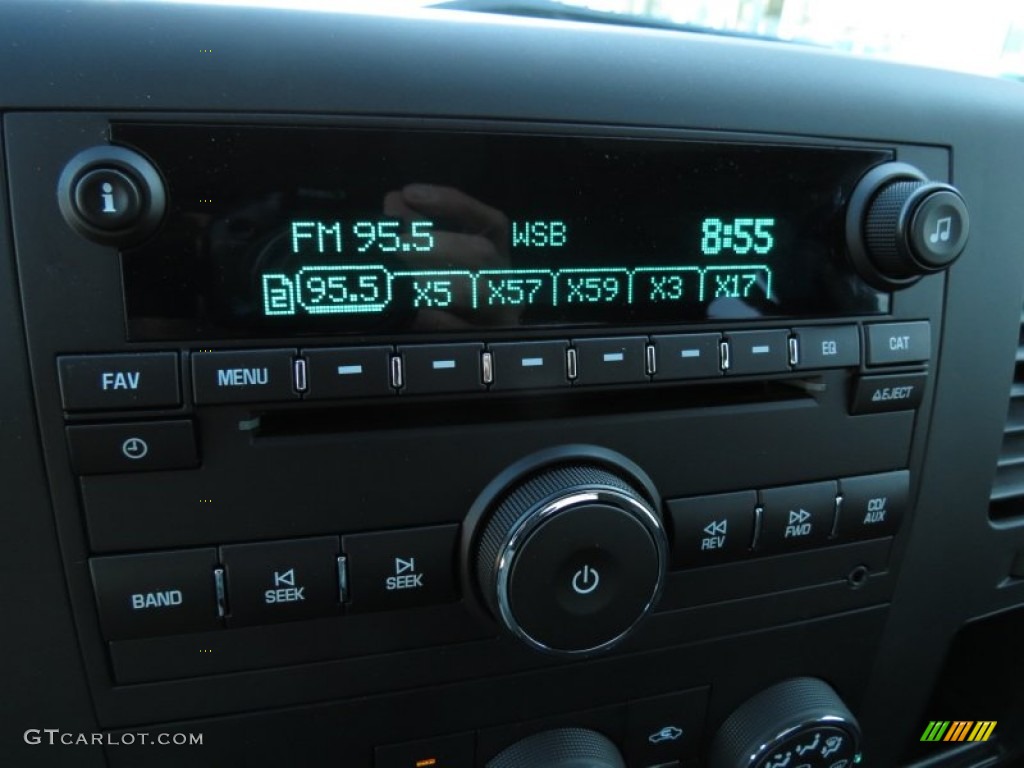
(156,593)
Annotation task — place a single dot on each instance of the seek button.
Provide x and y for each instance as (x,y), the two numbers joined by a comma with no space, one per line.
(281,580)
(401,569)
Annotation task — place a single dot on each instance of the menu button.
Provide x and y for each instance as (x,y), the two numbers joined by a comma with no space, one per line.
(243,376)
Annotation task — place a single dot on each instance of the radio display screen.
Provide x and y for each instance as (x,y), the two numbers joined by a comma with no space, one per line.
(280,232)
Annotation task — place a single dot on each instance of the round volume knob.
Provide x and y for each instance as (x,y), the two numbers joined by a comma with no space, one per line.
(111,195)
(800,723)
(561,748)
(901,226)
(572,558)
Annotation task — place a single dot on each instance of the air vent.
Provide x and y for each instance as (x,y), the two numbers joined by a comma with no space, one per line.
(1008,489)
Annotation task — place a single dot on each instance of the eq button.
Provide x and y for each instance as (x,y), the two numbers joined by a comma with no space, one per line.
(828,347)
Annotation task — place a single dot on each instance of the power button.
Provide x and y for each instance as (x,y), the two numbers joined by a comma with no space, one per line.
(585,580)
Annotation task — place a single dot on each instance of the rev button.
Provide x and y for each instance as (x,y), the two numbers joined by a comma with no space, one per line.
(116,382)
(281,580)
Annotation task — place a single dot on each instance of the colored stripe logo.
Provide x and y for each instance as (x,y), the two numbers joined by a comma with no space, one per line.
(959,730)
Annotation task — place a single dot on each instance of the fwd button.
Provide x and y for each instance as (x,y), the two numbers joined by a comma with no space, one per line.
(797,517)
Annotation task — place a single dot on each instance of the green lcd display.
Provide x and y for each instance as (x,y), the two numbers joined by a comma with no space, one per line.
(316,231)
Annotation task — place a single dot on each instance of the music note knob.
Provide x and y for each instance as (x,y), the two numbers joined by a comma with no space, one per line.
(900,226)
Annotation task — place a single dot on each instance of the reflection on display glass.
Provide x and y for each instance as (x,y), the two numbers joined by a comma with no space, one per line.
(288,231)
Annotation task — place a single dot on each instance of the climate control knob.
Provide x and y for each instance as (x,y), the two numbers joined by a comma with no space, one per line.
(901,226)
(799,723)
(571,558)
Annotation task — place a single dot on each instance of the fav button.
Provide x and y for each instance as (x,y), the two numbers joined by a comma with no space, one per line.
(797,517)
(243,376)
(281,580)
(401,569)
(161,593)
(99,449)
(115,382)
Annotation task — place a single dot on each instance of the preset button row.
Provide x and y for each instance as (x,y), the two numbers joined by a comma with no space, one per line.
(714,529)
(194,590)
(348,372)
(151,379)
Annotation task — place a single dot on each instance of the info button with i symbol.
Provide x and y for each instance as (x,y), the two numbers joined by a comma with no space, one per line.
(108,199)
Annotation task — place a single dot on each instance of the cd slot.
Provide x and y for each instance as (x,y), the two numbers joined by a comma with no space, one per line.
(378,415)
